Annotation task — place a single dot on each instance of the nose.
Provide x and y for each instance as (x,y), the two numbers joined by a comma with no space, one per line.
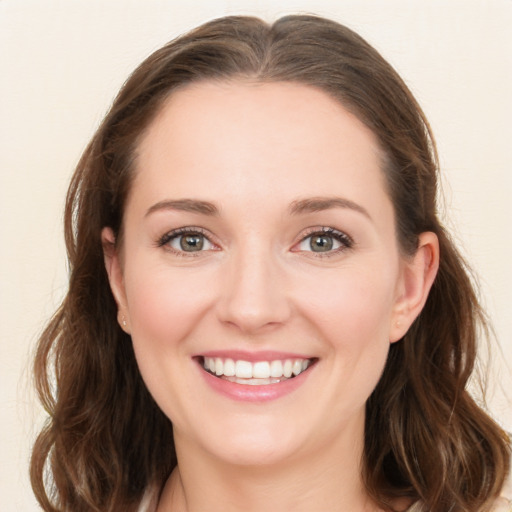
(254,294)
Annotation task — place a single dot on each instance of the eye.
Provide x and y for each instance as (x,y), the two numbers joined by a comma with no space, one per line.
(325,240)
(186,240)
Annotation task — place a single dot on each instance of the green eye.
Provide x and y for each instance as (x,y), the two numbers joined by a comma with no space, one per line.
(191,243)
(325,240)
(186,241)
(321,243)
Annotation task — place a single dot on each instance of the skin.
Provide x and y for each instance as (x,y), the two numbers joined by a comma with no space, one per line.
(253,151)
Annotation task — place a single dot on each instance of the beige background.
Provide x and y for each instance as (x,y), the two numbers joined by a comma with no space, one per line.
(61,62)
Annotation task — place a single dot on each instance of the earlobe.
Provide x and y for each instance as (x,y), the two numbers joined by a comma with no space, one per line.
(418,275)
(115,276)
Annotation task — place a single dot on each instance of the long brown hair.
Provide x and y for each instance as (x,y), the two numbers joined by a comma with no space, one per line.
(106,441)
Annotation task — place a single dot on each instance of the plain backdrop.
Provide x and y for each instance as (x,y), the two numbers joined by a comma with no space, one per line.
(61,62)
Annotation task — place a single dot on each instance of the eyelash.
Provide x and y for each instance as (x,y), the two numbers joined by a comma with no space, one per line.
(165,240)
(345,240)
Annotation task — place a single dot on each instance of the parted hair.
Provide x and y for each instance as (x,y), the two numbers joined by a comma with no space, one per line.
(106,441)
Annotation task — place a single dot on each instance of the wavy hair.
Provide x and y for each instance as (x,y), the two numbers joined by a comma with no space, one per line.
(106,441)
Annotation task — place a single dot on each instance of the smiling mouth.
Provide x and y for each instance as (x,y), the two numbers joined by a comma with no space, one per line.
(259,373)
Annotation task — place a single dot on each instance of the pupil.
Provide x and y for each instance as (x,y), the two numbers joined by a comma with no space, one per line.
(192,242)
(321,243)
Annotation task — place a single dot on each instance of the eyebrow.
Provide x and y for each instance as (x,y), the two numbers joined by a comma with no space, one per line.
(318,204)
(308,205)
(185,205)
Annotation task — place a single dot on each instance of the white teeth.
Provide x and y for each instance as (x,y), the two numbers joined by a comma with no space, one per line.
(243,369)
(253,382)
(258,373)
(297,367)
(276,368)
(261,370)
(287,368)
(229,368)
(219,366)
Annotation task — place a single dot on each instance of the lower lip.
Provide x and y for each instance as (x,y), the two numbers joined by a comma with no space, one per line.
(254,393)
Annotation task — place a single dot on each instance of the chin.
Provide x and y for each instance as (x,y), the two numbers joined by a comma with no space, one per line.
(254,445)
(257,455)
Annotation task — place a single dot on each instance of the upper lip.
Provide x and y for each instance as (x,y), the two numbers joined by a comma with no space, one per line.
(243,355)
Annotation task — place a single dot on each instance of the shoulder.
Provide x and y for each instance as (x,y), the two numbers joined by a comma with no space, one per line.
(504,502)
(149,502)
(502,505)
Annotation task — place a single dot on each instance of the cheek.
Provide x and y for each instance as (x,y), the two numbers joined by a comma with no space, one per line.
(165,305)
(357,327)
(353,306)
(352,315)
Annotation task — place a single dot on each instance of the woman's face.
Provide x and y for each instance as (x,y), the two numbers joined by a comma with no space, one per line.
(259,241)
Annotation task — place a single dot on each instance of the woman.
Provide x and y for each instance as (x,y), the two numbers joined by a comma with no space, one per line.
(264,311)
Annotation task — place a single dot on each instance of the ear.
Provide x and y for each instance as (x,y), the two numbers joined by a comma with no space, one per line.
(417,276)
(115,276)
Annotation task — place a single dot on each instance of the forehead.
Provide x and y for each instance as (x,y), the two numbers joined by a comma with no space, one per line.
(246,138)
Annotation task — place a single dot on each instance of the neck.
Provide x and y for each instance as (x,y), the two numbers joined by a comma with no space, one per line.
(324,480)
